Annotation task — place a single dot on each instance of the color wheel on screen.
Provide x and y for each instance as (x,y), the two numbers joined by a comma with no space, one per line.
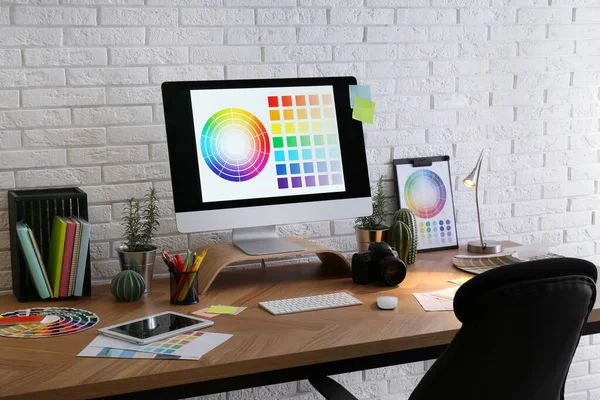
(425,193)
(235,144)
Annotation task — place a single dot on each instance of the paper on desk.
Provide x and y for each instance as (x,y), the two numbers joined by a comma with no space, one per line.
(364,110)
(186,346)
(447,294)
(363,91)
(432,303)
(439,300)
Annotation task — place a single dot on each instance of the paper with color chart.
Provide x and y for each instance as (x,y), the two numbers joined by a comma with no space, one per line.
(427,192)
(362,91)
(187,346)
(364,110)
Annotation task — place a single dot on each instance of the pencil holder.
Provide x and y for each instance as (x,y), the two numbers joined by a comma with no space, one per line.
(184,287)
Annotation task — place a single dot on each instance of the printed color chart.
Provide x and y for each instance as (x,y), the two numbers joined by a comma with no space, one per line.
(426,192)
(305,141)
(267,142)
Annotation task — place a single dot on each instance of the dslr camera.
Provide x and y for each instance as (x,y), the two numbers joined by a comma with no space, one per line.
(378,264)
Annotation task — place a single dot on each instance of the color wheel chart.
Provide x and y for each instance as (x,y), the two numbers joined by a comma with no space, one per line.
(235,144)
(71,321)
(426,192)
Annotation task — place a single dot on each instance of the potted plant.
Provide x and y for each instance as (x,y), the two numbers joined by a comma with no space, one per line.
(140,220)
(371,229)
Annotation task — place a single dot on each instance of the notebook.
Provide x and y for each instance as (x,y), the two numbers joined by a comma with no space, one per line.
(35,269)
(75,258)
(39,257)
(57,248)
(83,254)
(67,258)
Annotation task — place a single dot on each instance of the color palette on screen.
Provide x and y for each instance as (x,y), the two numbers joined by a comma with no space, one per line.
(425,193)
(305,141)
(235,144)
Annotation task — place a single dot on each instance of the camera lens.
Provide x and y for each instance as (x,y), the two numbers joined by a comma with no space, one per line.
(393,271)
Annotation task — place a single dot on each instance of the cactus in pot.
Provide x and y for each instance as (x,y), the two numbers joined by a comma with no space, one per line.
(403,235)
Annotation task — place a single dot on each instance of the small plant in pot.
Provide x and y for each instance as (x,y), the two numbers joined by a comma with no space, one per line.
(140,220)
(371,228)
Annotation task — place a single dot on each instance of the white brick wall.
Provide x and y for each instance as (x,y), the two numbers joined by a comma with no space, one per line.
(80,104)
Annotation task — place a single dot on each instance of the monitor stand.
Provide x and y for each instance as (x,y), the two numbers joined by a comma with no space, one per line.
(262,240)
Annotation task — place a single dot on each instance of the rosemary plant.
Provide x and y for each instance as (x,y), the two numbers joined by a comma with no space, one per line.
(141,222)
(373,221)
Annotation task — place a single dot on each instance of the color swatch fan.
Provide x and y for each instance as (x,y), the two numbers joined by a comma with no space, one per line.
(71,320)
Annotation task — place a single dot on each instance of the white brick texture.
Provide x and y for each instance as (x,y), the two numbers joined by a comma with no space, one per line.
(80,104)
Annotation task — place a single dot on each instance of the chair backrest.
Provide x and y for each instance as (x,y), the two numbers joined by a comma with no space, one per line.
(521,326)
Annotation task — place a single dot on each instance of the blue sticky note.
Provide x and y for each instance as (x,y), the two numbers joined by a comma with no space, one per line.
(363,91)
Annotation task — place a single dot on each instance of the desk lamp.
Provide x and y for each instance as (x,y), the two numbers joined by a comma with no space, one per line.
(474,246)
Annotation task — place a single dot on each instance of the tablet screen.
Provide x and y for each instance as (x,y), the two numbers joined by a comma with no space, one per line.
(155,325)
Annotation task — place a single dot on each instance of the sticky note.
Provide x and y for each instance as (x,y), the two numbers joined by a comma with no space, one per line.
(222,310)
(363,91)
(203,313)
(460,281)
(364,110)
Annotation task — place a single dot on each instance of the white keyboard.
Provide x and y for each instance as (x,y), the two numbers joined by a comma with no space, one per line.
(309,303)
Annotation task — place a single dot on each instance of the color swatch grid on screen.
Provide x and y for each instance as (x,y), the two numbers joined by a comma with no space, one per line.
(235,144)
(425,196)
(305,141)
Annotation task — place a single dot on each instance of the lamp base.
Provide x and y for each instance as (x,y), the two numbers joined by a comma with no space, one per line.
(489,247)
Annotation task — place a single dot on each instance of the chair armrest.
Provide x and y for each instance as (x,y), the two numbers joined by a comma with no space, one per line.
(330,389)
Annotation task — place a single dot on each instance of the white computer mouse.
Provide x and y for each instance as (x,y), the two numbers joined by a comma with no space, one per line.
(387,302)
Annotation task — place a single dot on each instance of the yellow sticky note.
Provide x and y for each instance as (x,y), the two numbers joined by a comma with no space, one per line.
(364,110)
(460,281)
(222,310)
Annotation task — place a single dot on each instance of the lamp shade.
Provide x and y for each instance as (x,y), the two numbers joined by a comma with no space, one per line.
(471,179)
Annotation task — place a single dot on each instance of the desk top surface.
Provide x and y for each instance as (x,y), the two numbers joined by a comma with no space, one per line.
(261,342)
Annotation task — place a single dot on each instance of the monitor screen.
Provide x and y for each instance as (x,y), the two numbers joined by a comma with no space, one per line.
(264,151)
(267,142)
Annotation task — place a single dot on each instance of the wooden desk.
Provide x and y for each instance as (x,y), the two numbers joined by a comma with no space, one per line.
(264,349)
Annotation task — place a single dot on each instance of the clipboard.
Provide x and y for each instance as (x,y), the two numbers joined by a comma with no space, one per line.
(424,186)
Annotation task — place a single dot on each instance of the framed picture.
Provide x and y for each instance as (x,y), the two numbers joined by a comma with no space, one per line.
(423,185)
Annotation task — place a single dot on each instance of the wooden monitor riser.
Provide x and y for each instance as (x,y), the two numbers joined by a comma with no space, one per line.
(220,255)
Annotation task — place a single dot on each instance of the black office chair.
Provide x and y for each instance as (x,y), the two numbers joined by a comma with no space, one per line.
(521,326)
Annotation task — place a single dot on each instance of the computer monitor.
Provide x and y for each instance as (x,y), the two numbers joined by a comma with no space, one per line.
(248,155)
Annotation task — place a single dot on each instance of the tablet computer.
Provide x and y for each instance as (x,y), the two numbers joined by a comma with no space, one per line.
(155,327)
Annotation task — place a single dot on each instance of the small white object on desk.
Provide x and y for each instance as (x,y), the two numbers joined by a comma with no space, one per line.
(387,302)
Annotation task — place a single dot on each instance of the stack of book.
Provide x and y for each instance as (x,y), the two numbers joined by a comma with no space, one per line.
(63,273)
